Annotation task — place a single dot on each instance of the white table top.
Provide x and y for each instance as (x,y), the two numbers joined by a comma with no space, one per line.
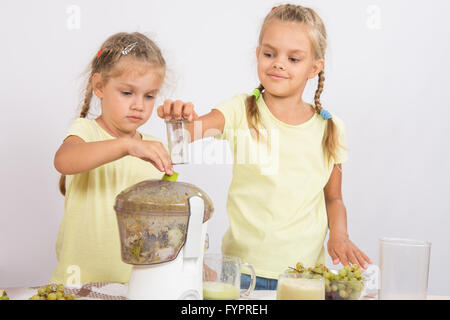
(115,291)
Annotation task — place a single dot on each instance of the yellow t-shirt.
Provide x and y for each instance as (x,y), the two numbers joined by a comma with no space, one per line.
(276,203)
(88,244)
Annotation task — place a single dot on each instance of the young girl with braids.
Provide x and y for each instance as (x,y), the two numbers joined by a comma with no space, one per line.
(101,157)
(282,217)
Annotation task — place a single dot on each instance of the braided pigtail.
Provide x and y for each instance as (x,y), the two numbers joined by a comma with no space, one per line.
(330,140)
(83,114)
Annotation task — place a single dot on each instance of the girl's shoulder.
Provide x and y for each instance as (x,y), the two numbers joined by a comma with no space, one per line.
(84,128)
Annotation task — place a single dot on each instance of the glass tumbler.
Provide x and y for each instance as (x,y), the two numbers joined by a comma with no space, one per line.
(222,277)
(178,141)
(404,266)
(298,286)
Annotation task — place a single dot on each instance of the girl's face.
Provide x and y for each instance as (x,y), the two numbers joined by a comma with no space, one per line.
(285,59)
(129,98)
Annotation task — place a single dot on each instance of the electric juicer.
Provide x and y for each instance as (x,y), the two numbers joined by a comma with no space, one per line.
(162,226)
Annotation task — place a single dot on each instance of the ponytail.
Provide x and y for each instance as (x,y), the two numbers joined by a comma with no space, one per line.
(253,116)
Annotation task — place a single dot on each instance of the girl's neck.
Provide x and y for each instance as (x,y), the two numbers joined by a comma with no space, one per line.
(112,132)
(291,110)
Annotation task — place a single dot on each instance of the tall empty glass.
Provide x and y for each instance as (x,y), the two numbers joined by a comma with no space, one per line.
(178,140)
(404,266)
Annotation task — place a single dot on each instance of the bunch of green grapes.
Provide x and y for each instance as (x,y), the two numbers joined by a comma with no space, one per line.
(346,284)
(52,292)
(3,295)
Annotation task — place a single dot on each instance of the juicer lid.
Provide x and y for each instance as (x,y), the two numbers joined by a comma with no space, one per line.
(160,197)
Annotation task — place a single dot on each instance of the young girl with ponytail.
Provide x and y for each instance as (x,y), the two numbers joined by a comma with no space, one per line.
(101,157)
(281,216)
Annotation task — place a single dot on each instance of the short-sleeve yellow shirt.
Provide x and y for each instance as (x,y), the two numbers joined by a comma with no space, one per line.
(88,243)
(276,203)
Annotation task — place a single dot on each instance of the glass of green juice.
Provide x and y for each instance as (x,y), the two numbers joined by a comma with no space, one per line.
(222,277)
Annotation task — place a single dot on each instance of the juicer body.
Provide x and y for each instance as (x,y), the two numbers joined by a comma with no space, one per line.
(180,278)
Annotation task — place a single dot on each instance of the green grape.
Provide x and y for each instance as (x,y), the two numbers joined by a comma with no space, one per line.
(49,288)
(299,266)
(357,273)
(334,287)
(343,294)
(327,282)
(341,286)
(62,298)
(60,288)
(51,296)
(345,279)
(41,291)
(318,270)
(35,297)
(355,267)
(59,294)
(348,268)
(342,272)
(42,298)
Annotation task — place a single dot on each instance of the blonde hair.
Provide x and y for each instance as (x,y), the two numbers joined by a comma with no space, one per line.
(136,45)
(318,37)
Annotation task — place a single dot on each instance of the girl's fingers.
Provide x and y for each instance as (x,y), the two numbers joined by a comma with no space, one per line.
(334,256)
(361,261)
(157,164)
(365,257)
(188,110)
(160,111)
(164,158)
(343,258)
(177,109)
(352,258)
(167,108)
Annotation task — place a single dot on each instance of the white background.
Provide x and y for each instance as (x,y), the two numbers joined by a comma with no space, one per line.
(386,77)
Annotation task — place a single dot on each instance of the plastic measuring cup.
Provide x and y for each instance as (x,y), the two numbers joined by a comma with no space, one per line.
(178,140)
(404,265)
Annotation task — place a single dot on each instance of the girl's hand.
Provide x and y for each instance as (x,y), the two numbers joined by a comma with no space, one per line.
(153,152)
(209,274)
(342,250)
(177,110)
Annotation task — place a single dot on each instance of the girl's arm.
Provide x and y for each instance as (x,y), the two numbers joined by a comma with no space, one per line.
(205,126)
(77,156)
(340,248)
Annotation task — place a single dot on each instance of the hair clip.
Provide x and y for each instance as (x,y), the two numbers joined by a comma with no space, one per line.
(274,8)
(128,48)
(99,53)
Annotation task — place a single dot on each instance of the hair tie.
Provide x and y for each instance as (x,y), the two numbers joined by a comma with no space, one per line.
(256,93)
(326,115)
